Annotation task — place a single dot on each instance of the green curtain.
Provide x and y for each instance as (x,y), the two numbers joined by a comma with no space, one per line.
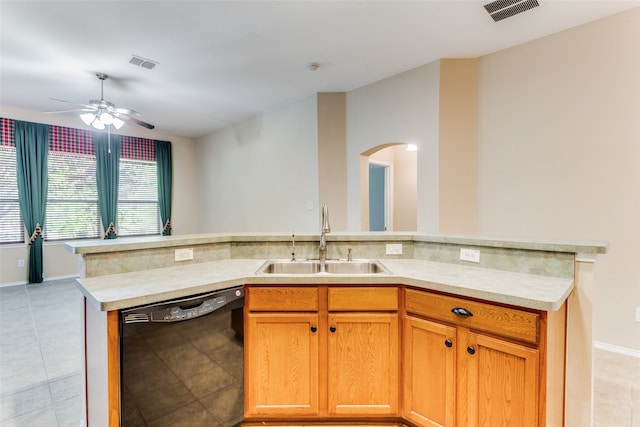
(165,178)
(107,179)
(32,150)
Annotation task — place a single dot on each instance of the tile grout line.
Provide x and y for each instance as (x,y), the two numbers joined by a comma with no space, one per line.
(52,406)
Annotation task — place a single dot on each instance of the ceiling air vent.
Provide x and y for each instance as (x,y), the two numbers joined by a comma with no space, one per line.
(501,9)
(142,62)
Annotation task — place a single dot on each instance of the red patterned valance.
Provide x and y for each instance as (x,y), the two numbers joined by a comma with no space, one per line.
(80,141)
(7,132)
(70,140)
(137,148)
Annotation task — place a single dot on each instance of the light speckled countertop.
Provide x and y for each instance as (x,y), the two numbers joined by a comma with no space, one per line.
(137,243)
(119,291)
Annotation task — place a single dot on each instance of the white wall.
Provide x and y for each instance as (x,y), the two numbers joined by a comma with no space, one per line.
(262,174)
(559,153)
(58,262)
(402,108)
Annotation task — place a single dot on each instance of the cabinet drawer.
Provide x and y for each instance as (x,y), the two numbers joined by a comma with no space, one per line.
(282,298)
(507,322)
(363,299)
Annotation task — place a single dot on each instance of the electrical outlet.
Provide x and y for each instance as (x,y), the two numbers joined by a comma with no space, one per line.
(394,249)
(637,314)
(471,255)
(20,263)
(184,254)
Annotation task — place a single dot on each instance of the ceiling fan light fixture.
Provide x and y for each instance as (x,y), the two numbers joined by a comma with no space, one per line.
(117,123)
(106,118)
(98,124)
(88,118)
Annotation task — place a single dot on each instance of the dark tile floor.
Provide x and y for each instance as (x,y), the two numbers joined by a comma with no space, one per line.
(41,374)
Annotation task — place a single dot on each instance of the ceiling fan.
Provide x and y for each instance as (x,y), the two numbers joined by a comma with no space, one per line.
(101,113)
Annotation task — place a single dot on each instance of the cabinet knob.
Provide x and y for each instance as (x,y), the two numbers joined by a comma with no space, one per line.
(314,328)
(448,343)
(461,312)
(471,350)
(332,328)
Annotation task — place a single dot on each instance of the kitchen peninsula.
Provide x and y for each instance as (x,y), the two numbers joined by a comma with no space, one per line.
(545,287)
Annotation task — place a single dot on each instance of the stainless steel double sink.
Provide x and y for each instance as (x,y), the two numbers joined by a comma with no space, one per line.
(341,267)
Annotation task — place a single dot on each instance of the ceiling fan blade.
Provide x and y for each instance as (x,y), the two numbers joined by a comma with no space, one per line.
(92,107)
(126,111)
(127,118)
(74,110)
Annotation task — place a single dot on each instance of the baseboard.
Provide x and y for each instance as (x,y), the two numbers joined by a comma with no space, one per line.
(68,276)
(46,279)
(617,349)
(22,282)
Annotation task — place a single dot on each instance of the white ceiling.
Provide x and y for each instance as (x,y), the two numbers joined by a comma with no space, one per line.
(224,61)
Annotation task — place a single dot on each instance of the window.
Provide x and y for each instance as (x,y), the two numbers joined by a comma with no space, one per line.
(138,208)
(11,224)
(72,197)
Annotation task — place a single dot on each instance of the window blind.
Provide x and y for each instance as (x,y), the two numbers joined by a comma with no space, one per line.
(72,200)
(11,224)
(138,209)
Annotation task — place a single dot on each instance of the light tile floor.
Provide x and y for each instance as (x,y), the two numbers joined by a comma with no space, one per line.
(41,374)
(617,390)
(40,355)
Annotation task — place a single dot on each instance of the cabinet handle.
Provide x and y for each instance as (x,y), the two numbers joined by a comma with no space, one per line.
(332,328)
(314,328)
(448,343)
(471,350)
(461,312)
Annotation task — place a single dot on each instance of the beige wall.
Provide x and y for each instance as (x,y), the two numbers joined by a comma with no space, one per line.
(58,262)
(559,153)
(261,174)
(399,109)
(457,150)
(332,156)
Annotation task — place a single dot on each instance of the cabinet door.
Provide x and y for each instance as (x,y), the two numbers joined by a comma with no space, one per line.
(498,382)
(363,363)
(429,372)
(281,367)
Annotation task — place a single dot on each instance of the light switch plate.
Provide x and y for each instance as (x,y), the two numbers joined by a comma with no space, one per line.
(394,249)
(637,314)
(185,254)
(471,255)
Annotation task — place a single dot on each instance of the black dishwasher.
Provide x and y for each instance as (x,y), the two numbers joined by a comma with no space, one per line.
(182,362)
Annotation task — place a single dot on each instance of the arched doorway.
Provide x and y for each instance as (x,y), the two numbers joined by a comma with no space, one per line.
(388,197)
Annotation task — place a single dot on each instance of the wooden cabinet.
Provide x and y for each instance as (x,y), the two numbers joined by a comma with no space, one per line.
(363,364)
(498,382)
(281,351)
(485,366)
(333,354)
(429,366)
(363,350)
(282,364)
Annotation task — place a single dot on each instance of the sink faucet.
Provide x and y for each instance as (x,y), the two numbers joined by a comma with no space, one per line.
(326,228)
